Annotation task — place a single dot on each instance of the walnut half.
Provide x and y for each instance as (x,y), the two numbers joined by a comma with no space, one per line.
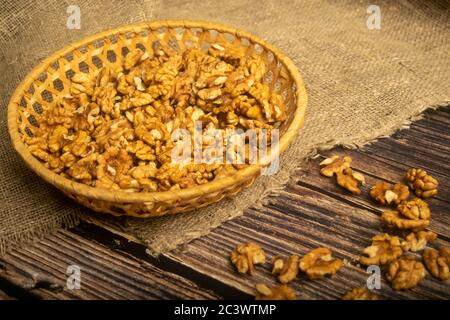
(319,263)
(384,193)
(281,292)
(405,273)
(384,249)
(438,262)
(423,184)
(360,294)
(287,269)
(334,164)
(246,255)
(394,219)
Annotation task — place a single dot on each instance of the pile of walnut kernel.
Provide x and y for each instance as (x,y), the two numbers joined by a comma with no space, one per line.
(403,271)
(114,129)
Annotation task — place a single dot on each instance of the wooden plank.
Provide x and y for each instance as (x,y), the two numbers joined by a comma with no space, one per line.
(105,274)
(310,213)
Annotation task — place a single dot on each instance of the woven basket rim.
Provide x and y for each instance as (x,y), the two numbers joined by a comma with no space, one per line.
(73,187)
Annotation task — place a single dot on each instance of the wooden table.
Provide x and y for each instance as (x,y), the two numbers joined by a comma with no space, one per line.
(313,212)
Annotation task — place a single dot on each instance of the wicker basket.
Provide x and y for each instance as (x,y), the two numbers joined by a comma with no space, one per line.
(51,78)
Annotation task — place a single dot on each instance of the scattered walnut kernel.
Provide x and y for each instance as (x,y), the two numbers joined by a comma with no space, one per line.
(334,164)
(346,179)
(246,255)
(360,294)
(384,249)
(418,241)
(438,262)
(281,292)
(319,263)
(423,184)
(405,273)
(393,219)
(415,209)
(287,269)
(386,194)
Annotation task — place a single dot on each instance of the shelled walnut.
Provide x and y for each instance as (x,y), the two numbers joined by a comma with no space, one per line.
(334,164)
(286,269)
(136,107)
(418,241)
(423,184)
(349,180)
(384,249)
(360,294)
(280,292)
(245,256)
(319,263)
(384,193)
(415,209)
(405,273)
(394,219)
(438,262)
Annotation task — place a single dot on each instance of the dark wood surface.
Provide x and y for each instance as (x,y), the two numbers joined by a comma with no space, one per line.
(310,213)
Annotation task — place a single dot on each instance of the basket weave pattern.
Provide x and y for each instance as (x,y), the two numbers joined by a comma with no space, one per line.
(51,79)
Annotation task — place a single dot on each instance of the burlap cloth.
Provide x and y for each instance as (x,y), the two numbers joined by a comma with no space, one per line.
(363,84)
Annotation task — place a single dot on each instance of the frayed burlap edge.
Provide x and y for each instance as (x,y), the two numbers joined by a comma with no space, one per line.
(38,232)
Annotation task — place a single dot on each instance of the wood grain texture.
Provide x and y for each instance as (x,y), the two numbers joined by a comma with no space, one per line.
(105,274)
(311,212)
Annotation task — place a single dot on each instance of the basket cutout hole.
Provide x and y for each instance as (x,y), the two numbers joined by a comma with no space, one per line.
(47,96)
(259,49)
(38,107)
(124,51)
(111,56)
(33,121)
(42,76)
(96,61)
(156,45)
(173,44)
(213,34)
(205,46)
(270,57)
(229,37)
(129,34)
(141,47)
(28,132)
(83,67)
(69,74)
(268,77)
(98,43)
(55,65)
(144,33)
(23,102)
(161,30)
(58,84)
(196,31)
(113,38)
(189,44)
(83,49)
(68,56)
(179,30)
(245,42)
(31,89)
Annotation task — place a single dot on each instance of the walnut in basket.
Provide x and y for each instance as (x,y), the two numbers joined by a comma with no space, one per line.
(114,130)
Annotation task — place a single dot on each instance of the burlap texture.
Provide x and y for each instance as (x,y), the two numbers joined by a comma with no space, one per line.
(362,84)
